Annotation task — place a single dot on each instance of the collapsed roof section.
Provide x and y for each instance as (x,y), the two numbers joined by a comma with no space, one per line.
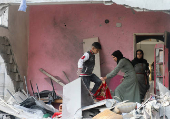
(143,4)
(139,6)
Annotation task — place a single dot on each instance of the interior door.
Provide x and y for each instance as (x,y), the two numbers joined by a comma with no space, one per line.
(87,45)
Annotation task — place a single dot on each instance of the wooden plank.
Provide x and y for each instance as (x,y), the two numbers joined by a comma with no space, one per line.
(53,78)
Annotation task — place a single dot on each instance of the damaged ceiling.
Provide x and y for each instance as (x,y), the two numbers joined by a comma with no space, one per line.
(3,8)
(137,5)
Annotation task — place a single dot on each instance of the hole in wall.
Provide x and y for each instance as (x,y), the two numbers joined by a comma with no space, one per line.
(106,21)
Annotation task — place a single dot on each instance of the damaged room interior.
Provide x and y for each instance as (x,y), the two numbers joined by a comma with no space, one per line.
(84,59)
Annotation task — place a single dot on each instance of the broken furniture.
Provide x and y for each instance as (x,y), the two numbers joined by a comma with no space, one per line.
(75,96)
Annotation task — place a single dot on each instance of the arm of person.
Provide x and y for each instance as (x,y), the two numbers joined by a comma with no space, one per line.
(147,73)
(81,61)
(147,68)
(116,70)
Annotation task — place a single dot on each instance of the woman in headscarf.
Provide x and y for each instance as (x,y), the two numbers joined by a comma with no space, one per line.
(128,89)
(142,72)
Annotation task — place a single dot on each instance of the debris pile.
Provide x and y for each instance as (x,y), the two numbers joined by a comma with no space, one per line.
(155,107)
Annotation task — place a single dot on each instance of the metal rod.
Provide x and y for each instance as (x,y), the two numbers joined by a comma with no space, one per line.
(38,91)
(32,87)
(26,85)
(52,84)
(12,95)
(21,98)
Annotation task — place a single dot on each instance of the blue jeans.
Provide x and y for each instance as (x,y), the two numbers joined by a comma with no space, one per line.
(93,78)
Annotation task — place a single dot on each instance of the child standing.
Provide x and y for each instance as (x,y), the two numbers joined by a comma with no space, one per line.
(86,65)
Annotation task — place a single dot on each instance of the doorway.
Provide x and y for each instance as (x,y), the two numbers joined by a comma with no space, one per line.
(147,42)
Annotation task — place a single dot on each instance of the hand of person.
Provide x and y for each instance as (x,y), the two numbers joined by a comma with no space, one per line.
(148,72)
(121,80)
(60,108)
(103,78)
(79,72)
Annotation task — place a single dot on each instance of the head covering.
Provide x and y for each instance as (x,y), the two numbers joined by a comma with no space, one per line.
(118,54)
(141,60)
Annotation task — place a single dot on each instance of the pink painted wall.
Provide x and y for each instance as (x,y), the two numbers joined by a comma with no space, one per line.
(56,33)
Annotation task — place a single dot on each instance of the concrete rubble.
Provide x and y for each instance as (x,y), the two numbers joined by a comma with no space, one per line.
(23,106)
(155,107)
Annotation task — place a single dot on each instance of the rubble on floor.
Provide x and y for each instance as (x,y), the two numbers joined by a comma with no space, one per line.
(155,107)
(23,106)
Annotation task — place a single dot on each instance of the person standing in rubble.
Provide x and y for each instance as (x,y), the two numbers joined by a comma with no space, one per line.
(86,65)
(142,71)
(128,89)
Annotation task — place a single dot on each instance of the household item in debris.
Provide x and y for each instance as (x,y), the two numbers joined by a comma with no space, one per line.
(19,96)
(12,96)
(117,111)
(46,115)
(107,114)
(47,96)
(58,89)
(90,113)
(126,107)
(108,103)
(18,112)
(73,102)
(57,115)
(30,101)
(103,92)
(41,104)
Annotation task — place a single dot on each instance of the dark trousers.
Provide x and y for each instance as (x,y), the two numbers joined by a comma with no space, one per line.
(93,78)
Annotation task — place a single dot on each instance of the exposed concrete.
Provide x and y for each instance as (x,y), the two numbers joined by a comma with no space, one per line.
(4,31)
(18,36)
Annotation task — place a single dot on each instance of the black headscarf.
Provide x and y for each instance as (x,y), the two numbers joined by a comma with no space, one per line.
(141,60)
(118,54)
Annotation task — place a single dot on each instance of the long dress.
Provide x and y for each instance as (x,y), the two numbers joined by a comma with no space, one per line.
(140,69)
(128,89)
